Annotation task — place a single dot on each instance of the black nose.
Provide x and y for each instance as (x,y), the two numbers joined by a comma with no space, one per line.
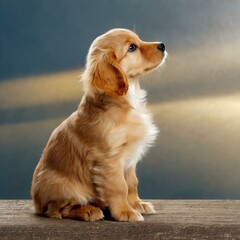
(161,47)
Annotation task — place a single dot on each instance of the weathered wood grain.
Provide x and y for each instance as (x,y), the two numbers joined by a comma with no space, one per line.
(174,220)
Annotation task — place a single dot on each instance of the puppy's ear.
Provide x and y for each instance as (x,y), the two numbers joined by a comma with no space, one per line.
(109,77)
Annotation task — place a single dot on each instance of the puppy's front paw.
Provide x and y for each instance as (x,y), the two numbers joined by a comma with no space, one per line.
(128,216)
(143,207)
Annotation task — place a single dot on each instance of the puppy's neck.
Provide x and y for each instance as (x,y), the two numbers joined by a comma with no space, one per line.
(103,101)
(135,95)
(134,98)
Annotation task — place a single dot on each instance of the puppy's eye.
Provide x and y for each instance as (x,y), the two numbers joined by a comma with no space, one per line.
(132,48)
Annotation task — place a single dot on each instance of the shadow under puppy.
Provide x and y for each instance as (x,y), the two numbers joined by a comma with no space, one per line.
(90,159)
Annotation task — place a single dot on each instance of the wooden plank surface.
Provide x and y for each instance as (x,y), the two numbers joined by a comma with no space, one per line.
(175,219)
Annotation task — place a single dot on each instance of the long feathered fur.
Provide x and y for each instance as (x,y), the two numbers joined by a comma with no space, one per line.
(89,162)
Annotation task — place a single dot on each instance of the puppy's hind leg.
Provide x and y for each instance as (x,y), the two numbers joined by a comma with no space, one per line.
(67,209)
(85,213)
(54,208)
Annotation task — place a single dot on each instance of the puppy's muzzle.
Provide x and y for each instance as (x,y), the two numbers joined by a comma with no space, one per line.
(161,47)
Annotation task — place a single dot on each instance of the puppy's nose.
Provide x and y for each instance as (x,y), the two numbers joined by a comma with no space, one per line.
(161,47)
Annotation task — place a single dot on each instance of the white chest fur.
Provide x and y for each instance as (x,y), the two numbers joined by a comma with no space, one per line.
(140,130)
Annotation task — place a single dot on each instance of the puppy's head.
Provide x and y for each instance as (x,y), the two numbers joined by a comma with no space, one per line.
(117,57)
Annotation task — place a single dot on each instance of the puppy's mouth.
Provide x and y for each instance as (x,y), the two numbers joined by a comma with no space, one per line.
(163,59)
(158,64)
(150,68)
(144,71)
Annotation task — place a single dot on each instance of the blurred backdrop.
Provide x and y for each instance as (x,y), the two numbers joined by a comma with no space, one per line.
(195,97)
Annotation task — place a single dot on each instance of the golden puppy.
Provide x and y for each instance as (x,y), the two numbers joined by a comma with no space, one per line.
(89,161)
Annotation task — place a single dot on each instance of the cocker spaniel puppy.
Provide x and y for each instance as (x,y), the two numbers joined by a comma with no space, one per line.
(89,162)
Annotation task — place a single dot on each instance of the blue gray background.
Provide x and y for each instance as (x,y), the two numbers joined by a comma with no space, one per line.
(195,97)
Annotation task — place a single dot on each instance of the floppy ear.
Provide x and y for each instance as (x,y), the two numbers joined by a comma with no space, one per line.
(109,77)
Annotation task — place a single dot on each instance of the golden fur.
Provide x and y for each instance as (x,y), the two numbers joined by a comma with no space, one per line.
(89,161)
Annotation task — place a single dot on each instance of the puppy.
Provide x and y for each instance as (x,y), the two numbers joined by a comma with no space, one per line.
(89,162)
